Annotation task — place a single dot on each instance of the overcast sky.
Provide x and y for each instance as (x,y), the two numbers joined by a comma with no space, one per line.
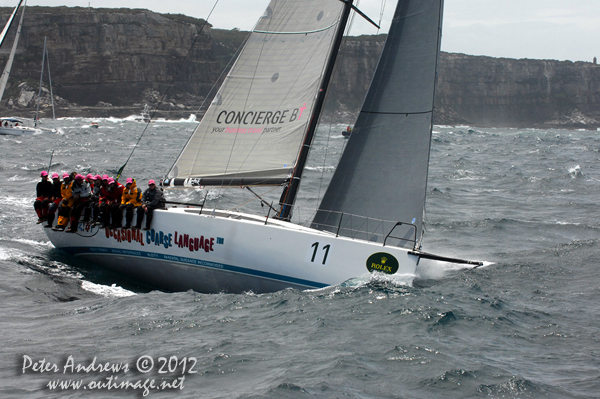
(542,29)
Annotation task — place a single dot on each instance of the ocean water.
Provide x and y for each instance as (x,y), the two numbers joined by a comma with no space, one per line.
(525,325)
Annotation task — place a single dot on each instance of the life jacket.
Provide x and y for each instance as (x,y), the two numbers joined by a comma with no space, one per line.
(132,195)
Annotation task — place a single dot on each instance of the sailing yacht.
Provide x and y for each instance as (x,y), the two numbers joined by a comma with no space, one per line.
(257,132)
(15,126)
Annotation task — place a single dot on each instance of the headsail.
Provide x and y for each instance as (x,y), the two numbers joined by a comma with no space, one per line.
(383,171)
(252,132)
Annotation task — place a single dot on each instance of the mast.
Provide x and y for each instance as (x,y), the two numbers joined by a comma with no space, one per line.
(50,84)
(11,57)
(41,78)
(289,193)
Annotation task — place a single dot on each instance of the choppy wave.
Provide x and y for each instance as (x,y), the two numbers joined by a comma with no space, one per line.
(523,200)
(109,292)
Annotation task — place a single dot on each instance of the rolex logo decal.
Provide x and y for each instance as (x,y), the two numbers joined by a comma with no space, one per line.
(382,262)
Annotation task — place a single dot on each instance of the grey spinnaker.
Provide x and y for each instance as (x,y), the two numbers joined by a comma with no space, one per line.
(382,174)
(256,124)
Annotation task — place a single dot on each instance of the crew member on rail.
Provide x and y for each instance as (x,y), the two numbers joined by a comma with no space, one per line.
(64,210)
(55,198)
(101,193)
(80,193)
(43,192)
(152,199)
(110,205)
(131,199)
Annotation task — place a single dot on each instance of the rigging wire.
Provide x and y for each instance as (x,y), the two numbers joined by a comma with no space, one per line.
(168,88)
(381,12)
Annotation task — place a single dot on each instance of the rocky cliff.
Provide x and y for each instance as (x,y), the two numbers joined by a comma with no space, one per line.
(112,57)
(112,61)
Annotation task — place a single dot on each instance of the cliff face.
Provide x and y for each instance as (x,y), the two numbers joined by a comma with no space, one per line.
(486,91)
(113,56)
(508,92)
(119,58)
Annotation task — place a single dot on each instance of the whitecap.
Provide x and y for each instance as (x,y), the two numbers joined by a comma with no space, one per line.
(113,291)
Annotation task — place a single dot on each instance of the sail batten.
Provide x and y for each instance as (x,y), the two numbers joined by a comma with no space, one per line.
(382,173)
(258,119)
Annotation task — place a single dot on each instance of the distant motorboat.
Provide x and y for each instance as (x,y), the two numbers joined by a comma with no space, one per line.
(94,125)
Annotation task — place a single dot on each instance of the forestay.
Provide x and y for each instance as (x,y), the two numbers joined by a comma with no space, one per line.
(383,171)
(252,132)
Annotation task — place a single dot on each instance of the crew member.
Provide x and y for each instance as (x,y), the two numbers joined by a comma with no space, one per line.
(131,199)
(102,193)
(64,210)
(55,199)
(152,199)
(80,193)
(112,201)
(43,191)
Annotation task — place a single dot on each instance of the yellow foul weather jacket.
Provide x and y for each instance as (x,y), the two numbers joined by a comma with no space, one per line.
(132,195)
(66,192)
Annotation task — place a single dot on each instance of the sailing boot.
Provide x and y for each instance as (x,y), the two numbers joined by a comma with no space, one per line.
(87,212)
(59,227)
(62,222)
(50,220)
(74,226)
(39,212)
(128,219)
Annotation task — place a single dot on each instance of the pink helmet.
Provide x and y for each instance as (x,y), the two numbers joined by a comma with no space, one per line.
(151,182)
(79,177)
(104,177)
(55,175)
(129,180)
(90,176)
(111,180)
(44,173)
(65,175)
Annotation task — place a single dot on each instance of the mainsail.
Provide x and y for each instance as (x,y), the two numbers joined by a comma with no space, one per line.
(382,173)
(253,130)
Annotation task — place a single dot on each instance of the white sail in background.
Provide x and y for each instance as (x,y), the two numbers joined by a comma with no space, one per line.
(252,132)
(11,57)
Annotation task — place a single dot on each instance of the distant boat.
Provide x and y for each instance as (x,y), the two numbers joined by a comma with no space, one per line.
(145,116)
(44,60)
(94,125)
(14,126)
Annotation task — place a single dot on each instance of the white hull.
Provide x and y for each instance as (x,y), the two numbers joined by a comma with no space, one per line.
(23,131)
(230,253)
(19,131)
